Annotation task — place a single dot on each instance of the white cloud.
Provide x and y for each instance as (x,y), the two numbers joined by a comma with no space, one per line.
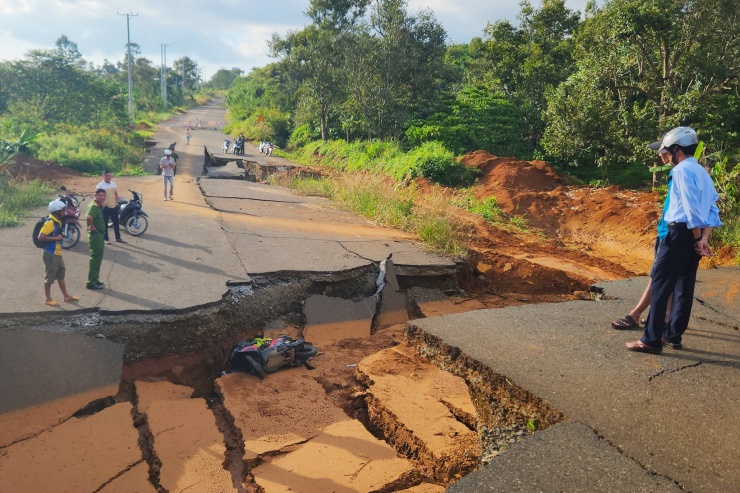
(215,33)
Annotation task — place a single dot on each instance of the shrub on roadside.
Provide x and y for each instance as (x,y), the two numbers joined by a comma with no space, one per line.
(17,197)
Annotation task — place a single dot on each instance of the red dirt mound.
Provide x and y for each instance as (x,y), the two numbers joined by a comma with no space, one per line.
(23,167)
(609,223)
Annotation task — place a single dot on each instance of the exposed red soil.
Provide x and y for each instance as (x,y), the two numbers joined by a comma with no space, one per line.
(574,235)
(23,167)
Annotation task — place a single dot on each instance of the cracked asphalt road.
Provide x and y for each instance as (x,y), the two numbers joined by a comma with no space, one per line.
(677,413)
(215,231)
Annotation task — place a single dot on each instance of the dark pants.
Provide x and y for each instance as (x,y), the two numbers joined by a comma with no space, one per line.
(97,247)
(674,272)
(111,213)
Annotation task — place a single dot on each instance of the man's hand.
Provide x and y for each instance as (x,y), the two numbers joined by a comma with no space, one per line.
(702,248)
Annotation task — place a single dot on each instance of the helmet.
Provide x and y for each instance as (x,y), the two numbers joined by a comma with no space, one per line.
(167,152)
(680,136)
(56,206)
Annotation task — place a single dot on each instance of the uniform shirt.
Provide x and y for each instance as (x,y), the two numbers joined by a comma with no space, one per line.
(52,227)
(110,193)
(97,215)
(693,197)
(168,166)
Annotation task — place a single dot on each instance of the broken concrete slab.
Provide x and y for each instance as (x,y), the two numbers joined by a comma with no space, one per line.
(392,300)
(406,402)
(40,366)
(188,443)
(286,408)
(344,457)
(565,457)
(677,413)
(135,480)
(330,319)
(148,392)
(25,423)
(81,454)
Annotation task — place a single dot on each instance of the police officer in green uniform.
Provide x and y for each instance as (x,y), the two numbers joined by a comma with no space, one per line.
(95,238)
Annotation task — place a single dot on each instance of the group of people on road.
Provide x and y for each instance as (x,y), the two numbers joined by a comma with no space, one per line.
(102,210)
(690,214)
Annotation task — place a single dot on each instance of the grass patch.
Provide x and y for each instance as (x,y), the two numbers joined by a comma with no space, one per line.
(16,198)
(386,201)
(431,160)
(487,208)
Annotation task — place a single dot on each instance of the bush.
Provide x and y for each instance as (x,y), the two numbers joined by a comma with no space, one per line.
(17,198)
(301,136)
(89,150)
(431,160)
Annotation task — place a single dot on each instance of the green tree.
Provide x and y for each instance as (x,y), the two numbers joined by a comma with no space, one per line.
(529,60)
(223,78)
(643,67)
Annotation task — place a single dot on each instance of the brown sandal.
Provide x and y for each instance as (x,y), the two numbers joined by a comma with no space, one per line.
(641,347)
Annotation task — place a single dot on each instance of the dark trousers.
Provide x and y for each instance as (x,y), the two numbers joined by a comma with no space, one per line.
(111,214)
(676,263)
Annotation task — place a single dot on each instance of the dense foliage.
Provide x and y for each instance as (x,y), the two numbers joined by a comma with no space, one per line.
(78,113)
(586,92)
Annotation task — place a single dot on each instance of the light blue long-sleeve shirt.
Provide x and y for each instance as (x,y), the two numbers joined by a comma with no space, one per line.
(693,196)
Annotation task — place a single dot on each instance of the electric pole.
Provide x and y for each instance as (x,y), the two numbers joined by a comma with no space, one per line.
(164,73)
(128,47)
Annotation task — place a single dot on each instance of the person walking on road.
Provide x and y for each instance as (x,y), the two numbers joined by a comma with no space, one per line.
(51,231)
(187,136)
(110,208)
(632,319)
(692,215)
(168,172)
(95,229)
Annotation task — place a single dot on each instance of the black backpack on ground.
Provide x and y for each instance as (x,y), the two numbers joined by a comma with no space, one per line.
(37,230)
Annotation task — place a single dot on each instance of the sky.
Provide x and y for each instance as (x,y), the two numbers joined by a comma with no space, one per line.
(215,33)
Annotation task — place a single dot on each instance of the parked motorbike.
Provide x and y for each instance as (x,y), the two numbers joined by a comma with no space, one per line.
(71,230)
(225,147)
(266,148)
(130,215)
(262,356)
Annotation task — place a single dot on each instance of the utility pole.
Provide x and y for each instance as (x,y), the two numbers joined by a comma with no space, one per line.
(128,47)
(164,73)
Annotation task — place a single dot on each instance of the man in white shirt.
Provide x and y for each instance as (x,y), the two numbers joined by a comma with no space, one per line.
(167,164)
(691,214)
(110,208)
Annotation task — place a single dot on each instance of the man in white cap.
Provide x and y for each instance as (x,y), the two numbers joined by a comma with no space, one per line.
(51,232)
(168,172)
(691,215)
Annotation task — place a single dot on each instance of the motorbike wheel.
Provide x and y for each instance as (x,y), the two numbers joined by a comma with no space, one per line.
(71,237)
(256,367)
(305,354)
(136,225)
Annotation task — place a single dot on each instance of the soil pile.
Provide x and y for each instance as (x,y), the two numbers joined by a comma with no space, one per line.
(23,167)
(587,234)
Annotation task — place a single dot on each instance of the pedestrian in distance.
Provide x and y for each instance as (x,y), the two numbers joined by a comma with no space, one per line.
(187,136)
(110,208)
(95,239)
(51,232)
(692,215)
(632,319)
(167,164)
